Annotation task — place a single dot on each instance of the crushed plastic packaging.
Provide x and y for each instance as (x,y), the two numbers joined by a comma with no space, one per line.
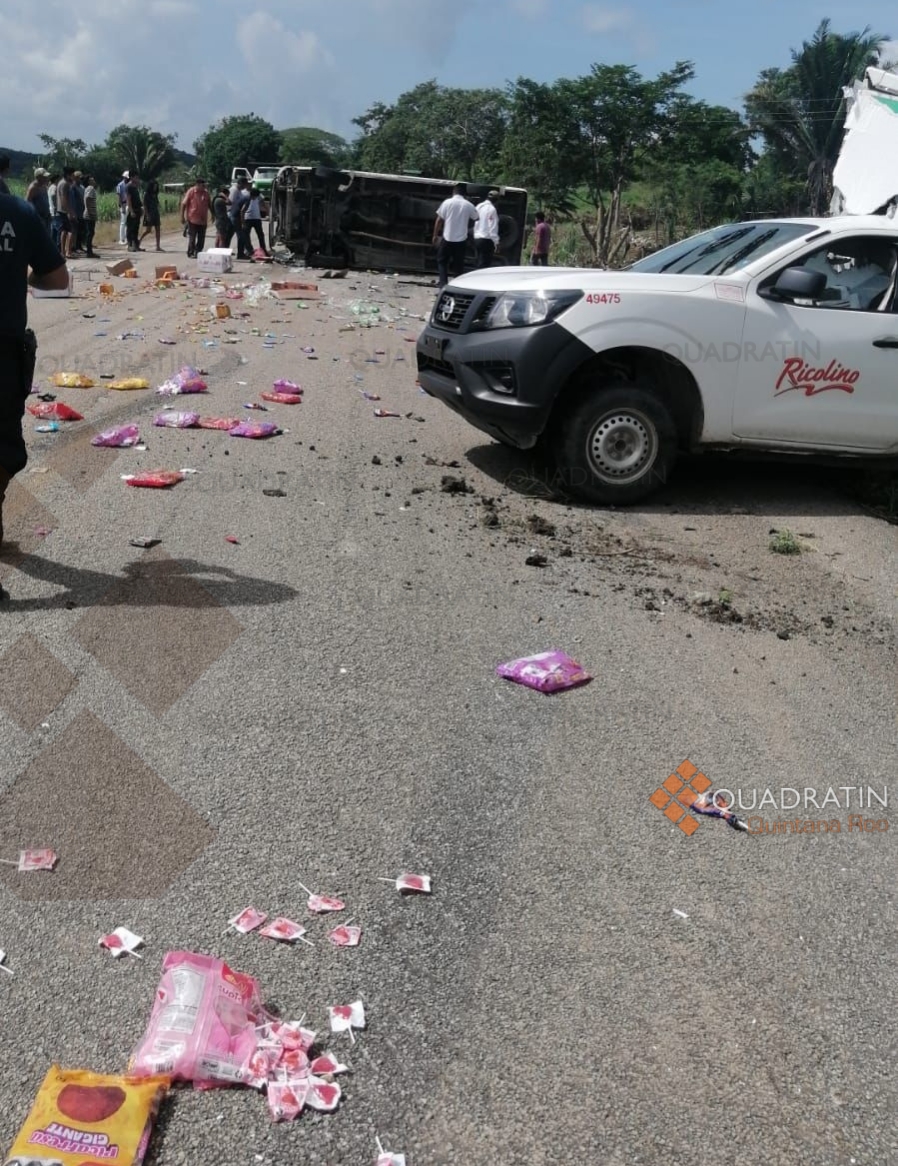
(121,438)
(546,672)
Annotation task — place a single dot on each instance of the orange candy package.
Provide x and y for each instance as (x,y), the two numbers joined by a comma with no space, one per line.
(81,1118)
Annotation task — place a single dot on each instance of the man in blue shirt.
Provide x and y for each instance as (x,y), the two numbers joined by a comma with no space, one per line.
(28,256)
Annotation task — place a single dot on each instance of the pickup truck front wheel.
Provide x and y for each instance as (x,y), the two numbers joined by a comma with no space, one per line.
(617,445)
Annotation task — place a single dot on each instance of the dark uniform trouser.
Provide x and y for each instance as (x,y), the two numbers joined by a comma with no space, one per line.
(17,360)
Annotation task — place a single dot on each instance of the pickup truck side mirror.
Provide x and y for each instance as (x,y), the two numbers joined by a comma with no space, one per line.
(796,283)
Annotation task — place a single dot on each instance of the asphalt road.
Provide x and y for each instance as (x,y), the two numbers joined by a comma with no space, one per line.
(205,725)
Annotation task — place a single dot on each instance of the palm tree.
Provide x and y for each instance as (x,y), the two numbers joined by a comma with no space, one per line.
(800,111)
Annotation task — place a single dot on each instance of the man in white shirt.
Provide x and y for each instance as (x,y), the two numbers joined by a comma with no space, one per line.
(122,191)
(486,232)
(450,232)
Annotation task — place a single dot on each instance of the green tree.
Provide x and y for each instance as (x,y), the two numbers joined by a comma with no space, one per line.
(436,131)
(141,150)
(307,146)
(618,117)
(800,111)
(241,140)
(60,152)
(536,152)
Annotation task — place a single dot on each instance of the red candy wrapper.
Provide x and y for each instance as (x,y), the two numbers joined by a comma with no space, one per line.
(56,411)
(248,920)
(345,936)
(155,479)
(283,929)
(30,860)
(322,904)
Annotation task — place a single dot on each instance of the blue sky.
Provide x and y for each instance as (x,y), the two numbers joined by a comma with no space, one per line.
(179,65)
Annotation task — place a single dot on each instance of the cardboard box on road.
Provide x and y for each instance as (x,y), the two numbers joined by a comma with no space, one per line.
(218,259)
(290,290)
(169,271)
(119,267)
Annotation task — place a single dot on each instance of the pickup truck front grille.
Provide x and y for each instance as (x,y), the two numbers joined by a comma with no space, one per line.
(432,364)
(451,309)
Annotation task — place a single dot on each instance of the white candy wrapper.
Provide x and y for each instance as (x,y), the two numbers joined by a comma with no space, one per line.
(322,904)
(346,1017)
(248,920)
(36,860)
(327,1065)
(286,1100)
(345,936)
(284,930)
(121,942)
(323,1095)
(414,882)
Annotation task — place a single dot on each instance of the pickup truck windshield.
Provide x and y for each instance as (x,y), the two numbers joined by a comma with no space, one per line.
(723,249)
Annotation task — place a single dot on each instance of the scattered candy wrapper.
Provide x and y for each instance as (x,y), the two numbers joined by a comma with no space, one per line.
(175,420)
(247,429)
(346,1017)
(232,538)
(130,383)
(71,380)
(283,929)
(369,396)
(145,543)
(345,936)
(248,920)
(323,904)
(121,438)
(122,942)
(323,1095)
(282,398)
(327,1065)
(253,405)
(385,413)
(286,1100)
(185,380)
(31,860)
(283,386)
(3,965)
(50,427)
(56,411)
(226,423)
(546,672)
(154,479)
(388,1158)
(716,806)
(414,883)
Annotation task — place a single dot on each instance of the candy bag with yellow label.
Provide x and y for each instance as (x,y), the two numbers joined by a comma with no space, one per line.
(81,1118)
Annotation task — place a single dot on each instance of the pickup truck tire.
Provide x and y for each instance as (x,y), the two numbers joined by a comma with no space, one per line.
(618,445)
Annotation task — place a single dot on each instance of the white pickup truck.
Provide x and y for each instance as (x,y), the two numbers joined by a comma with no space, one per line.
(774,335)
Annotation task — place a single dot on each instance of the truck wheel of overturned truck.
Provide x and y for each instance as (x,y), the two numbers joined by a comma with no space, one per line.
(273,223)
(617,445)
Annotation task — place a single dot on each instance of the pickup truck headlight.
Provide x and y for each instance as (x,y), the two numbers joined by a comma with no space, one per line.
(526,309)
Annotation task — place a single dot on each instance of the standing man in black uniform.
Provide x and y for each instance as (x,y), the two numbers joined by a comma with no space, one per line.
(27,256)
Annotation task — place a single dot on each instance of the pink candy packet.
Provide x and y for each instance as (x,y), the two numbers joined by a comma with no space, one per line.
(286,1100)
(546,672)
(120,438)
(248,920)
(227,423)
(322,904)
(174,420)
(261,429)
(414,883)
(30,860)
(203,1024)
(345,936)
(283,929)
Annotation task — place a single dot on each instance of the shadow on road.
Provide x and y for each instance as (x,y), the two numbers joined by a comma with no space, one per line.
(707,484)
(156,581)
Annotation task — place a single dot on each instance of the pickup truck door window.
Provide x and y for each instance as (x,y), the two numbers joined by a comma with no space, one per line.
(825,371)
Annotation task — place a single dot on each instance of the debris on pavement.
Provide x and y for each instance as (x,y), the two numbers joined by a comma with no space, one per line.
(386,413)
(680,914)
(127,383)
(154,479)
(56,412)
(345,936)
(275,493)
(416,884)
(226,423)
(387,1157)
(284,930)
(346,1017)
(715,806)
(4,967)
(120,438)
(546,672)
(248,920)
(145,543)
(260,430)
(71,380)
(175,420)
(185,380)
(118,1112)
(31,860)
(121,942)
(322,904)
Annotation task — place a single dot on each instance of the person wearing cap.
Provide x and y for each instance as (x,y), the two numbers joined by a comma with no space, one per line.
(196,210)
(38,194)
(122,192)
(486,230)
(27,257)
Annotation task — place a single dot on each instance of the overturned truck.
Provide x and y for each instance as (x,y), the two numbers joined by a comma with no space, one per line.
(352,219)
(865,178)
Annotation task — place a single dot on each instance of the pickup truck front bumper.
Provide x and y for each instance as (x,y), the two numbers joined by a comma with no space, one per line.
(505,381)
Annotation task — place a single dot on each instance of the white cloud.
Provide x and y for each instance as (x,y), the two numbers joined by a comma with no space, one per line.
(598,19)
(267,44)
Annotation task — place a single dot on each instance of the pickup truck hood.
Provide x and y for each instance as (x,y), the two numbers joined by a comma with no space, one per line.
(587,279)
